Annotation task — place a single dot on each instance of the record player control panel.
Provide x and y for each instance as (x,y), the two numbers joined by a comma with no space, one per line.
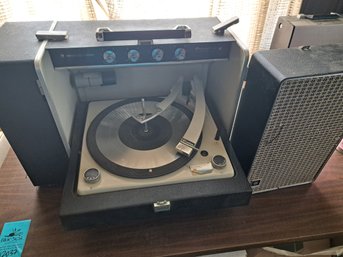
(138,54)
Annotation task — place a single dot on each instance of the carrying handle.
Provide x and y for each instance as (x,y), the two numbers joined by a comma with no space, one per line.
(106,34)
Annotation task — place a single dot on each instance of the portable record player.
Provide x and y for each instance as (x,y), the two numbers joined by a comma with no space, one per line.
(144,112)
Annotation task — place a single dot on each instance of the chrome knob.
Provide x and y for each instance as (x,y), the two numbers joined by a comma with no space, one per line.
(218,161)
(133,55)
(180,54)
(157,54)
(92,176)
(109,56)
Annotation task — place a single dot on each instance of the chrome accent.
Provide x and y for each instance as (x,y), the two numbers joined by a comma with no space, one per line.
(99,33)
(162,206)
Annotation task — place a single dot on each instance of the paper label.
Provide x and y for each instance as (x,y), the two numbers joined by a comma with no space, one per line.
(13,237)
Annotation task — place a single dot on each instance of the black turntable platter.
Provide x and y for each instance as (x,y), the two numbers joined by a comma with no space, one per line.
(127,148)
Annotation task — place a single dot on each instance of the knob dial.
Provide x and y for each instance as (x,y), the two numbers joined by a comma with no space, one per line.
(157,54)
(109,56)
(133,55)
(91,176)
(180,54)
(218,161)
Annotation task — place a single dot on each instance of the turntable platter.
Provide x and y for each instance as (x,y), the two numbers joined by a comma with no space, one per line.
(124,147)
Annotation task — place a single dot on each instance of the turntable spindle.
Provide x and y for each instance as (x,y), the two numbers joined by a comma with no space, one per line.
(146,129)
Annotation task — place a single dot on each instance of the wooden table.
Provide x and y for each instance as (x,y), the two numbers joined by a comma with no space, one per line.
(295,214)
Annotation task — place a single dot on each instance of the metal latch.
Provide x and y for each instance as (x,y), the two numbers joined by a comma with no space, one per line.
(220,28)
(161,206)
(51,35)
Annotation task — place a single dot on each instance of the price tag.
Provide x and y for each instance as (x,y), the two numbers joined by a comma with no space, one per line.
(13,237)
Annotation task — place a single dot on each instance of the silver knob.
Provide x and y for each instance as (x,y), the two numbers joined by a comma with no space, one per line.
(109,56)
(133,55)
(180,54)
(91,176)
(218,161)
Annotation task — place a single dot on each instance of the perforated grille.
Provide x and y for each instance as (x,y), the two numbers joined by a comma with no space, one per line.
(305,124)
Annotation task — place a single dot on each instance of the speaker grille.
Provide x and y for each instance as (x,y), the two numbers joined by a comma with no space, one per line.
(305,124)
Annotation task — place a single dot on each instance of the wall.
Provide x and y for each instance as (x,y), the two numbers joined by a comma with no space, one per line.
(4,147)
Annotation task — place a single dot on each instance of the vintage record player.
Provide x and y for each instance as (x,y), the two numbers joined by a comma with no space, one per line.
(141,113)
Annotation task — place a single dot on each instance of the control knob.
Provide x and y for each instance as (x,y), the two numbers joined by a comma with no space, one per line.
(180,54)
(133,55)
(92,176)
(218,161)
(157,54)
(109,56)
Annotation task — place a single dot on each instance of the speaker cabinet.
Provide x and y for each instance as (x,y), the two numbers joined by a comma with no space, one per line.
(25,116)
(292,31)
(290,116)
